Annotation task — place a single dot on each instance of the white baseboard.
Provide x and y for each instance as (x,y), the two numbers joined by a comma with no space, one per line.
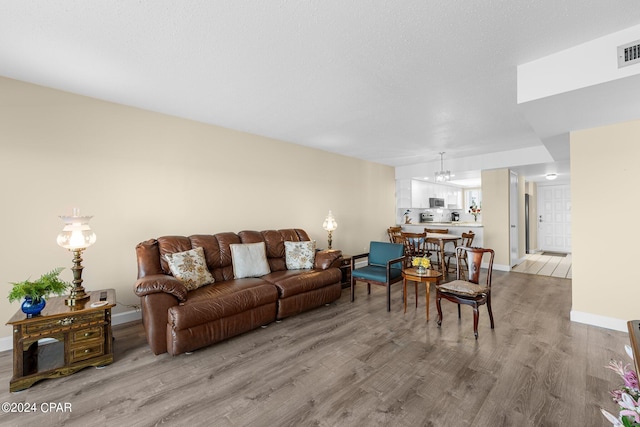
(597,320)
(6,343)
(499,267)
(126,317)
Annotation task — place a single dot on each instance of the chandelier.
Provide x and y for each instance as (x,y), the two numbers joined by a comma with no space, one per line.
(443,175)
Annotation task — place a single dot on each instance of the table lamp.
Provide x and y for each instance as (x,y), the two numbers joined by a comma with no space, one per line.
(76,236)
(330,225)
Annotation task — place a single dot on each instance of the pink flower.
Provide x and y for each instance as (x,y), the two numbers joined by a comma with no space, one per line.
(630,379)
(630,407)
(617,367)
(617,395)
(630,413)
(627,397)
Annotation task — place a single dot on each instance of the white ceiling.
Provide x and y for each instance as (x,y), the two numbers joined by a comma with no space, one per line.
(393,82)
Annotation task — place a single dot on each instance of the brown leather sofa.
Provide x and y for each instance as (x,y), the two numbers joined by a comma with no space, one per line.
(177,320)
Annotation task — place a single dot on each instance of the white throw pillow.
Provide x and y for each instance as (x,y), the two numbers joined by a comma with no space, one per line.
(299,255)
(190,267)
(249,260)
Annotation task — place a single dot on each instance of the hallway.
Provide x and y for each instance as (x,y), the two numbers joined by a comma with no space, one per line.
(546,265)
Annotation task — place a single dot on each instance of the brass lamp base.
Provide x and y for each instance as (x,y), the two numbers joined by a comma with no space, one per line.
(78,297)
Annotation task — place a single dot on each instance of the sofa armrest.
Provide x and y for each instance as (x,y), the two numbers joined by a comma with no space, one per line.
(327,259)
(156,283)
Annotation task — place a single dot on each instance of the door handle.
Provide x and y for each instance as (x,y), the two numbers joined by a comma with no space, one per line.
(540,218)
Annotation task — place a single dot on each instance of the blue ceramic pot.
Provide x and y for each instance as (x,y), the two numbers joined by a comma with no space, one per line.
(31,308)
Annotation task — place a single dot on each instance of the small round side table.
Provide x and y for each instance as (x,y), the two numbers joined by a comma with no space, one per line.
(411,274)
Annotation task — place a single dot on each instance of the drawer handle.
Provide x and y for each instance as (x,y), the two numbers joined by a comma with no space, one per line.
(87,334)
(88,350)
(66,321)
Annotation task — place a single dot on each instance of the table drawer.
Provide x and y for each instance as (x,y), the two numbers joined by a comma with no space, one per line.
(86,334)
(70,320)
(93,349)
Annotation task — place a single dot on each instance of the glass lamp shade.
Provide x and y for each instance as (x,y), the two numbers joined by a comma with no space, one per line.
(76,233)
(329,223)
(443,176)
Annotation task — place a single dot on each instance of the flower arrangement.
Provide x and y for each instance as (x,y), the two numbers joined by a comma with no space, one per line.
(421,262)
(475,211)
(626,397)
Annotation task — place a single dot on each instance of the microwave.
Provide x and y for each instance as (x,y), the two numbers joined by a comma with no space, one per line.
(436,203)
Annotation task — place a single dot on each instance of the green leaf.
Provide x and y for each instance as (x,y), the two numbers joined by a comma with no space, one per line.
(48,283)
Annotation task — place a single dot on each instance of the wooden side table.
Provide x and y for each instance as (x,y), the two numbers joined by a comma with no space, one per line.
(411,274)
(345,268)
(62,340)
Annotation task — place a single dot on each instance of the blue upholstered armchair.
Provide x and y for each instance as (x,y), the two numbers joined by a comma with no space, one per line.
(384,267)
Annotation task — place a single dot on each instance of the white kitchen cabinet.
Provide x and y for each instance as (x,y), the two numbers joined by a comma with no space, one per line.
(421,191)
(403,193)
(415,193)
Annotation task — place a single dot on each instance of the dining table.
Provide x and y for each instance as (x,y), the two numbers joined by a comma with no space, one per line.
(441,239)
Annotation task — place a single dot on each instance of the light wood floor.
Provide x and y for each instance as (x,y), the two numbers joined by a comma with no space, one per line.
(546,265)
(354,364)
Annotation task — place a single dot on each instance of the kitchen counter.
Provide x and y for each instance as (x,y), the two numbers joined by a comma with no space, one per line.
(457,227)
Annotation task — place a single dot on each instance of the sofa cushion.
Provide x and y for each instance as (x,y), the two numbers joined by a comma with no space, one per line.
(190,268)
(462,287)
(376,273)
(300,255)
(293,282)
(225,299)
(249,260)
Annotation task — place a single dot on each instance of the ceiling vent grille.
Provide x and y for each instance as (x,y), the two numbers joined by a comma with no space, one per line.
(629,54)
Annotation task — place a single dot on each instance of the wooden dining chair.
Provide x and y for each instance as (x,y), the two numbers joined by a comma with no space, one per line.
(467,240)
(437,230)
(434,248)
(415,245)
(384,267)
(471,291)
(395,234)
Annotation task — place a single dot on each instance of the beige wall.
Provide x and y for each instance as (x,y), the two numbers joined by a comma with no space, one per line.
(495,214)
(604,281)
(143,174)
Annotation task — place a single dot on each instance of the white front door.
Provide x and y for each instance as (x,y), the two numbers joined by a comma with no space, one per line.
(554,218)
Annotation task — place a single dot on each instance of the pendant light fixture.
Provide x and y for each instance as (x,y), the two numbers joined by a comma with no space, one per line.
(443,175)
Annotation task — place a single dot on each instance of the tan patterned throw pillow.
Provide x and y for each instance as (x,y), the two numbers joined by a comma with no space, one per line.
(299,255)
(190,267)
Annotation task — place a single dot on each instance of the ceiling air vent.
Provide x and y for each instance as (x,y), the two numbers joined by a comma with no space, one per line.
(629,54)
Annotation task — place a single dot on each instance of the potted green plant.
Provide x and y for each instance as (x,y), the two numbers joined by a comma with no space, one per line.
(34,292)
